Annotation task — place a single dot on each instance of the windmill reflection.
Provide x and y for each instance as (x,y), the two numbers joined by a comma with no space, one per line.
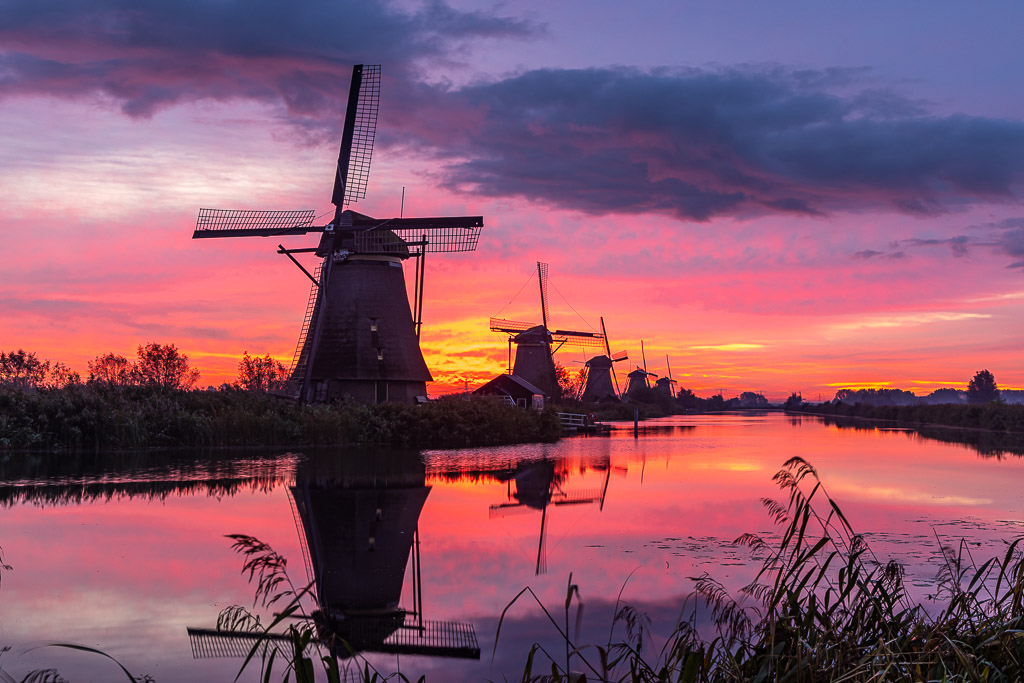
(358,516)
(538,485)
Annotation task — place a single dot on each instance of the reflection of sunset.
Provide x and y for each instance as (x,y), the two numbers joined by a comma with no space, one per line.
(659,508)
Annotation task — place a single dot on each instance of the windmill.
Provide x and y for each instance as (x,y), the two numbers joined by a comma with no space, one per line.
(638,379)
(538,486)
(664,384)
(358,520)
(360,336)
(534,352)
(600,371)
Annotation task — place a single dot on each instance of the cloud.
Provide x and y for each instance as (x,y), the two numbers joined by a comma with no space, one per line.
(159,53)
(867,254)
(693,144)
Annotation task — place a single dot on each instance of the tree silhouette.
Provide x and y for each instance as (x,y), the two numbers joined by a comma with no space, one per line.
(261,374)
(162,365)
(982,388)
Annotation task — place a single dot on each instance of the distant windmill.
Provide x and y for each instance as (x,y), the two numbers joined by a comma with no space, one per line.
(360,337)
(664,384)
(638,378)
(534,352)
(600,371)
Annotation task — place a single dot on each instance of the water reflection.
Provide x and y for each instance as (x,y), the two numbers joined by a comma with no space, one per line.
(125,551)
(357,514)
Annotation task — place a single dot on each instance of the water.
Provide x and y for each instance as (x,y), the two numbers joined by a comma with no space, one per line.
(124,552)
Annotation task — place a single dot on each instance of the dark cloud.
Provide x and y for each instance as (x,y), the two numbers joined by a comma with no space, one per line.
(958,245)
(867,254)
(693,144)
(700,144)
(146,56)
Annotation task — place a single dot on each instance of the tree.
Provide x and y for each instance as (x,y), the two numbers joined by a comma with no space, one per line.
(62,377)
(570,384)
(22,370)
(795,400)
(162,365)
(982,388)
(261,374)
(112,370)
(750,399)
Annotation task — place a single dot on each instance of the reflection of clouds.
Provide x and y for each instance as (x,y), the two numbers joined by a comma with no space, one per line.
(896,494)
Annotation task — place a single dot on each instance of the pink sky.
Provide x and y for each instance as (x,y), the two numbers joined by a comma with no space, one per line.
(791,213)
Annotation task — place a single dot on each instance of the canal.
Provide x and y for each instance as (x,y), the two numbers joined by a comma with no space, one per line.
(126,552)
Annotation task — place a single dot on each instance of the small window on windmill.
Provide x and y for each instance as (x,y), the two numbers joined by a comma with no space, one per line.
(380,354)
(373,324)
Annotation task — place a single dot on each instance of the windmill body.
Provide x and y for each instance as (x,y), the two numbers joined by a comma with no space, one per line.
(536,344)
(360,336)
(599,380)
(638,381)
(534,360)
(600,373)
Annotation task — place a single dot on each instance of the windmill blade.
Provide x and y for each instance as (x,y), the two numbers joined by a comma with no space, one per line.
(542,277)
(246,223)
(441,234)
(608,349)
(580,339)
(621,355)
(510,326)
(505,509)
(357,136)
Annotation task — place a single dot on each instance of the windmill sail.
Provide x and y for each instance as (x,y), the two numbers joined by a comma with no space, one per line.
(360,335)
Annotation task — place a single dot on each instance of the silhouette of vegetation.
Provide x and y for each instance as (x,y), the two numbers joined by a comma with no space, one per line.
(261,374)
(822,607)
(994,416)
(982,388)
(97,416)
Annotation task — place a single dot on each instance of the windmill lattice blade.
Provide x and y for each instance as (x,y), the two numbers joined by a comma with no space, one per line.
(363,134)
(581,339)
(441,234)
(502,325)
(246,223)
(621,355)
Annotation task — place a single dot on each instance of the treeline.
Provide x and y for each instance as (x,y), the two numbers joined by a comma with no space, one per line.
(151,402)
(995,415)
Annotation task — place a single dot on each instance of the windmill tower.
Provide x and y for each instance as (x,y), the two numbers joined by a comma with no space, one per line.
(664,385)
(638,379)
(600,371)
(534,353)
(360,336)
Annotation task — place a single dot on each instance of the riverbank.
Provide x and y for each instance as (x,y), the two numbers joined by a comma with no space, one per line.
(94,418)
(992,416)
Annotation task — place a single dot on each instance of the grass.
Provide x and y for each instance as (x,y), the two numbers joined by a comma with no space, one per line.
(821,608)
(96,417)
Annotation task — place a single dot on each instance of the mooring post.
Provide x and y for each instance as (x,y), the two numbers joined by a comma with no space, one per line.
(636,423)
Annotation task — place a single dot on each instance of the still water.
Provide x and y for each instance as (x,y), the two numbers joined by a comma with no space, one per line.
(125,552)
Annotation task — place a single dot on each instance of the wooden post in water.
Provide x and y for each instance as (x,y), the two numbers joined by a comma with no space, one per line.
(636,423)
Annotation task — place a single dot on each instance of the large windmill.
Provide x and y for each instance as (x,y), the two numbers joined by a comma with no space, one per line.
(600,371)
(360,336)
(536,344)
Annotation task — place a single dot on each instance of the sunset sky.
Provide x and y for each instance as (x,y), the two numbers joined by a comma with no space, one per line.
(797,197)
